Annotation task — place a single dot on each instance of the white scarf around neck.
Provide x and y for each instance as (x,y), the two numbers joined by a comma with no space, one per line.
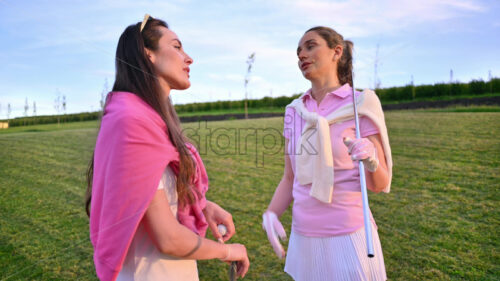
(315,165)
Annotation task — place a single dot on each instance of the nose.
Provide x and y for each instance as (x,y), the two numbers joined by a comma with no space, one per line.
(301,55)
(188,59)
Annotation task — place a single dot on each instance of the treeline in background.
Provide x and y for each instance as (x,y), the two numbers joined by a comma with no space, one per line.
(393,94)
(387,95)
(51,119)
(422,92)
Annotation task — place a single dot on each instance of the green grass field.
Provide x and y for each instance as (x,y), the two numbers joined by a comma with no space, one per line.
(440,222)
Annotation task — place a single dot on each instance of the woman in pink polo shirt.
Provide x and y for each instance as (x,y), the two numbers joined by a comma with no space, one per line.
(321,176)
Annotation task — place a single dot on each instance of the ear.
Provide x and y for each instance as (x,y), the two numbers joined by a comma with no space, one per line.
(337,52)
(150,55)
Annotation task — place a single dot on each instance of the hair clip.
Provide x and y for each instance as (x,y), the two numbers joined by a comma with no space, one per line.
(146,17)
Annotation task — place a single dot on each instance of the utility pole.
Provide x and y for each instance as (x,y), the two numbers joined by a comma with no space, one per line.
(9,110)
(376,81)
(57,106)
(491,82)
(250,62)
(412,88)
(26,107)
(104,93)
(64,103)
(451,76)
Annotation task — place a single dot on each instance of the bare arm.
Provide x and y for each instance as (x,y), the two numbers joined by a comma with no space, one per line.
(283,195)
(379,179)
(172,238)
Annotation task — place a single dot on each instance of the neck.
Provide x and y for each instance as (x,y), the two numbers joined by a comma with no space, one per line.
(165,88)
(320,87)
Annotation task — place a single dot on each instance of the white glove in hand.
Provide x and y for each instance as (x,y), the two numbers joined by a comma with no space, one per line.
(274,228)
(363,149)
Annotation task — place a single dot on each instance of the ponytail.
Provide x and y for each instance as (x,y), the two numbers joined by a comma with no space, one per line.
(344,67)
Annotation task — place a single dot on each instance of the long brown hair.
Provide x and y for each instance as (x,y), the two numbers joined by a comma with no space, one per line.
(333,39)
(135,73)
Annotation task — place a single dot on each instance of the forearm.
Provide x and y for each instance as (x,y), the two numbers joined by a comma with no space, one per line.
(378,180)
(173,238)
(282,196)
(184,244)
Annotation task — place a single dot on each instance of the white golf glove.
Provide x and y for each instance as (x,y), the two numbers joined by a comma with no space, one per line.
(363,149)
(274,228)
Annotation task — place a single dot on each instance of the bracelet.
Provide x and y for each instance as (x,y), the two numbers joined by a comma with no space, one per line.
(228,251)
(198,244)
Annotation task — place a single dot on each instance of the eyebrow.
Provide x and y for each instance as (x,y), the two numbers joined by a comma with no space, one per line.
(305,43)
(178,41)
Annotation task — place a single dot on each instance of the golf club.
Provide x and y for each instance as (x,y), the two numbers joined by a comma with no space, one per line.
(362,179)
(232,268)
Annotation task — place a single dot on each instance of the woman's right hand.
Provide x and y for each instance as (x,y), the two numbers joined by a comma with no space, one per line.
(274,228)
(238,253)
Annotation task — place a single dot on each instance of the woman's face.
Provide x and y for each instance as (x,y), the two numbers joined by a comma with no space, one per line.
(316,59)
(170,61)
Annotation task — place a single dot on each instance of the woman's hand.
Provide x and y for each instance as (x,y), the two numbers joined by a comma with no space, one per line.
(363,149)
(215,215)
(274,229)
(238,253)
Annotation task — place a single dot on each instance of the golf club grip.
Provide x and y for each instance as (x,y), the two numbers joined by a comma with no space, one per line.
(233,270)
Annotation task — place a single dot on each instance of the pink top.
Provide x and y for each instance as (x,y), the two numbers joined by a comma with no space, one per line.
(344,215)
(131,153)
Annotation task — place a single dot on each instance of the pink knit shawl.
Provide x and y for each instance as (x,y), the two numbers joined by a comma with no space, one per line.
(131,153)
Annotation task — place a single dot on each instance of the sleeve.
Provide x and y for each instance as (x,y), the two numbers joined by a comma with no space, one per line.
(161,184)
(367,127)
(288,122)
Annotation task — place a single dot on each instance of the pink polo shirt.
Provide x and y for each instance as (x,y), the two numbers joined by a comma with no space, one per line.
(344,215)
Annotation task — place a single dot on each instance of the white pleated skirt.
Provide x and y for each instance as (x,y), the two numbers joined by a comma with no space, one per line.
(335,258)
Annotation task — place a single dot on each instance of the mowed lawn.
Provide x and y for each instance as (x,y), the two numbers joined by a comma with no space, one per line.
(440,222)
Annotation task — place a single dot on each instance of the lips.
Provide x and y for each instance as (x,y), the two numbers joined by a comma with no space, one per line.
(186,69)
(304,65)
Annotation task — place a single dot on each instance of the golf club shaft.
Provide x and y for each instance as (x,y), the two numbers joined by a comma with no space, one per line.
(362,179)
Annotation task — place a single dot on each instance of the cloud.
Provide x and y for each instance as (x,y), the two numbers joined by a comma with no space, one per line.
(72,44)
(359,18)
(226,77)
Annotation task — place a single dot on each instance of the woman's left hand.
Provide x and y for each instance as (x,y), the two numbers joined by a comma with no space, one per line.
(363,149)
(215,215)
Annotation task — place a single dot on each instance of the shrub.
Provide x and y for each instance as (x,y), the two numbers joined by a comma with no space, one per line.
(477,87)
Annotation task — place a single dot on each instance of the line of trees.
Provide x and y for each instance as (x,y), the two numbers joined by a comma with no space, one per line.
(265,102)
(405,93)
(411,92)
(51,119)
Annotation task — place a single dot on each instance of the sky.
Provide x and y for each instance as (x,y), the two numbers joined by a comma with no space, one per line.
(51,48)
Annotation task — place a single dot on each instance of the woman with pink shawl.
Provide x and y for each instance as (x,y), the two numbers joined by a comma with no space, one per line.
(146,182)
